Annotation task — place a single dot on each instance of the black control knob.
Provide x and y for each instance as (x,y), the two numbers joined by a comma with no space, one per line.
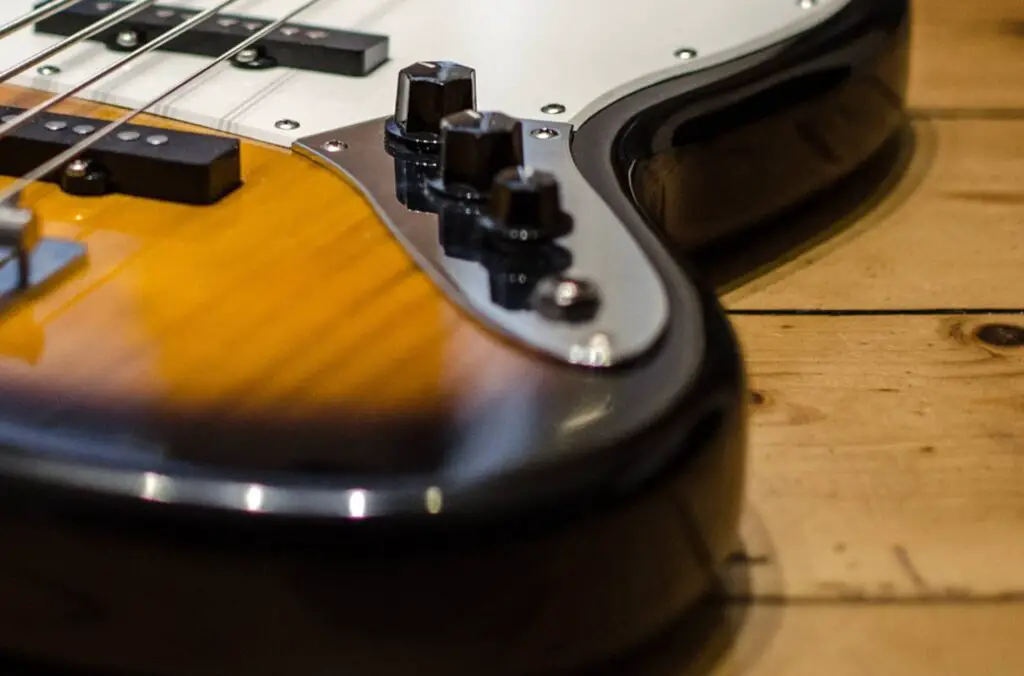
(514,275)
(525,207)
(428,91)
(475,147)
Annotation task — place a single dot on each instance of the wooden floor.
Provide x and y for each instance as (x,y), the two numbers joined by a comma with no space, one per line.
(885,529)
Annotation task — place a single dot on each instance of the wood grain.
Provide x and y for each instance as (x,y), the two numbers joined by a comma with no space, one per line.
(207,309)
(944,233)
(877,640)
(967,56)
(885,458)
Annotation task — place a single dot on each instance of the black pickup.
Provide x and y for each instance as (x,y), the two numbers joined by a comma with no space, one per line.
(292,46)
(162,164)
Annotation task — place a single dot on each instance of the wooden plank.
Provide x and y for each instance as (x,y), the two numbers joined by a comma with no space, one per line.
(967,55)
(876,640)
(946,230)
(837,640)
(885,458)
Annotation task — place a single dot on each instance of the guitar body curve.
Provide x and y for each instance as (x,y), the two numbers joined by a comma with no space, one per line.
(256,437)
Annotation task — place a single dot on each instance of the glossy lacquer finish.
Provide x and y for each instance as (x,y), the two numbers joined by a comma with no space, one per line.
(254,438)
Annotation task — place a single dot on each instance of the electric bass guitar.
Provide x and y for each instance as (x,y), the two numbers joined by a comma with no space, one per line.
(363,336)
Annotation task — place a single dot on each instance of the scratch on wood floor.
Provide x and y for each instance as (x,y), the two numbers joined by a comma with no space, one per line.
(909,568)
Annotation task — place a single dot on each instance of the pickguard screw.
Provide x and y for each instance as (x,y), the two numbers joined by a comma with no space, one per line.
(595,352)
(807,4)
(127,39)
(553,109)
(333,146)
(544,133)
(287,125)
(48,70)
(247,55)
(685,53)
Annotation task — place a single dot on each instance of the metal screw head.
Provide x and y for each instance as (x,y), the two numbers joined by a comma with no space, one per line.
(287,125)
(567,299)
(597,351)
(553,109)
(48,70)
(685,53)
(127,39)
(247,55)
(807,4)
(475,146)
(77,168)
(544,133)
(428,91)
(335,146)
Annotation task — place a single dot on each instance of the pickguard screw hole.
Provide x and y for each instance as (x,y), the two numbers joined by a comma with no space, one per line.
(553,109)
(287,125)
(333,146)
(48,70)
(685,53)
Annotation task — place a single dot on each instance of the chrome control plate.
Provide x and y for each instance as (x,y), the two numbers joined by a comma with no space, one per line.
(634,308)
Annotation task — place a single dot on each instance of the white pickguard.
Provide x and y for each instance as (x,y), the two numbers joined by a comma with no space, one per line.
(583,54)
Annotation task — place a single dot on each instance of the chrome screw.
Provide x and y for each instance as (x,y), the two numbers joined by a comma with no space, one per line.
(685,53)
(334,146)
(287,125)
(595,352)
(127,39)
(48,70)
(544,133)
(553,109)
(807,4)
(247,55)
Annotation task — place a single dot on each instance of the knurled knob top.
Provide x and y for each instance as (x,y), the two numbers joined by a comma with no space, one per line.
(525,207)
(475,147)
(428,91)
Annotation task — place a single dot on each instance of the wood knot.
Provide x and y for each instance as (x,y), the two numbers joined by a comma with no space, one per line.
(757,398)
(1000,335)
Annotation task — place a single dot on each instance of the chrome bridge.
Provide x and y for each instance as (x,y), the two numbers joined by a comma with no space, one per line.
(28,263)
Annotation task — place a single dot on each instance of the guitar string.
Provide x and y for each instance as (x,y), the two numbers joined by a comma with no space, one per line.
(44,11)
(71,153)
(182,28)
(92,29)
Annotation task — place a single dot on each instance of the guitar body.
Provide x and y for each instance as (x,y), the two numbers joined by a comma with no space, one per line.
(259,436)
